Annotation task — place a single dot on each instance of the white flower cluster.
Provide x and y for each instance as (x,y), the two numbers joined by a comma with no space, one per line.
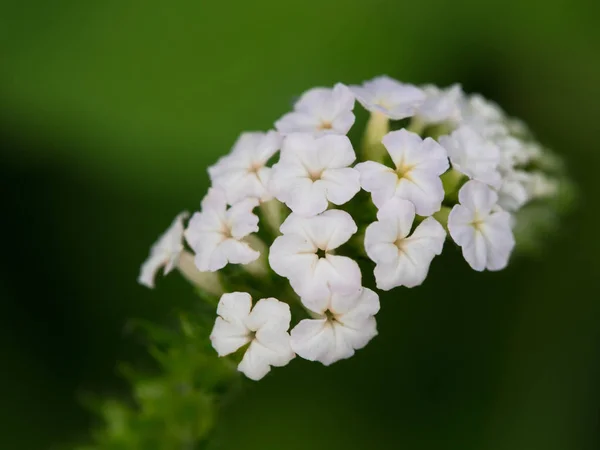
(459,165)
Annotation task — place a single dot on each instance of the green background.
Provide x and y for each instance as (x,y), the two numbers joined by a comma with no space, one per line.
(110,113)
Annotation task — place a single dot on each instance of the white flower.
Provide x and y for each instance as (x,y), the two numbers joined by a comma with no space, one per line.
(164,253)
(313,171)
(440,105)
(343,324)
(539,185)
(402,260)
(480,228)
(473,155)
(416,176)
(389,97)
(513,152)
(216,232)
(305,255)
(243,173)
(484,116)
(512,193)
(264,327)
(320,111)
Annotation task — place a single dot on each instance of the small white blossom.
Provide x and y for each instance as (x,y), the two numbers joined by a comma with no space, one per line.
(305,255)
(440,105)
(539,185)
(481,228)
(415,177)
(216,232)
(512,194)
(473,155)
(264,327)
(243,173)
(164,253)
(320,111)
(389,97)
(484,116)
(342,324)
(313,171)
(402,260)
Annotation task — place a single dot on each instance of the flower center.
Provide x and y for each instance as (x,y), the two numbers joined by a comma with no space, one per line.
(325,125)
(255,168)
(331,317)
(399,243)
(226,232)
(321,253)
(477,224)
(403,171)
(315,175)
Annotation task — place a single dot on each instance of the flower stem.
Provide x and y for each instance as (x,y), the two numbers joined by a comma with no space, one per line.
(208,282)
(377,127)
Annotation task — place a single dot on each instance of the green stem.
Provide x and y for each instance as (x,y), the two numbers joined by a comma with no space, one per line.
(208,282)
(442,216)
(377,127)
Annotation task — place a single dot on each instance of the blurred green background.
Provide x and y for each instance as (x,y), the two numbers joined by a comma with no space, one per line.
(110,113)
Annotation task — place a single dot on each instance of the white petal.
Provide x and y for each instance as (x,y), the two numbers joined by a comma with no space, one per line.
(306,197)
(334,152)
(424,190)
(476,196)
(292,255)
(399,143)
(227,337)
(149,269)
(240,219)
(256,361)
(400,214)
(380,238)
(341,185)
(415,254)
(473,155)
(269,313)
(235,307)
(313,339)
(357,335)
(165,252)
(499,237)
(386,95)
(277,343)
(326,231)
(215,200)
(475,251)
(378,179)
(345,276)
(321,111)
(230,332)
(441,105)
(237,252)
(355,308)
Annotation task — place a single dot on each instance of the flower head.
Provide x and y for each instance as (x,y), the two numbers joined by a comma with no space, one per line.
(244,173)
(305,255)
(402,260)
(415,176)
(164,253)
(342,324)
(481,228)
(264,327)
(216,232)
(320,111)
(389,97)
(313,171)
(473,155)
